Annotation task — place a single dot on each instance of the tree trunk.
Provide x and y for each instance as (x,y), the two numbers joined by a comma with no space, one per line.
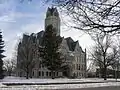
(105,73)
(52,74)
(9,73)
(30,74)
(27,74)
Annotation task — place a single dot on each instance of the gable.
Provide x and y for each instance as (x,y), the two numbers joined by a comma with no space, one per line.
(64,46)
(71,43)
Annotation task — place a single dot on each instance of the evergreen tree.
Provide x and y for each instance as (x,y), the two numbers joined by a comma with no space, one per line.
(50,51)
(1,56)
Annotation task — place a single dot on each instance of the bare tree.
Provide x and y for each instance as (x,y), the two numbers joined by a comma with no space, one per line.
(9,65)
(105,53)
(92,15)
(26,53)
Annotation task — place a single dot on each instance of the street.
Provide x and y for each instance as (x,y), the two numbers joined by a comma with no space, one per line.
(97,88)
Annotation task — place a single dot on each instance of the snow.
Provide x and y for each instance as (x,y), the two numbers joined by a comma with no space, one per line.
(109,82)
(36,80)
(57,80)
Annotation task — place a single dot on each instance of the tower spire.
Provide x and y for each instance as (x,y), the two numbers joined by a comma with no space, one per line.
(52,18)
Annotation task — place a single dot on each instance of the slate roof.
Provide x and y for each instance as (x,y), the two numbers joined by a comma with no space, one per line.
(71,43)
(33,37)
(25,38)
(40,36)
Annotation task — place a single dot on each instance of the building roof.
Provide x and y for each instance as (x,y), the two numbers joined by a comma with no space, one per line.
(71,43)
(40,34)
(25,38)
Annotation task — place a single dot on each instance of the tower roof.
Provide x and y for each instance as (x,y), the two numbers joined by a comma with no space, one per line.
(52,12)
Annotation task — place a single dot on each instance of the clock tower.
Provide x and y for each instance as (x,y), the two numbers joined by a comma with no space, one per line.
(52,18)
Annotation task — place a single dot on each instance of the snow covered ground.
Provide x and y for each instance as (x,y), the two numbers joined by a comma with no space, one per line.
(57,80)
(36,80)
(109,82)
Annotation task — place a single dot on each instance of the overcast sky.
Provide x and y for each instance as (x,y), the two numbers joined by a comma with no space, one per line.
(28,17)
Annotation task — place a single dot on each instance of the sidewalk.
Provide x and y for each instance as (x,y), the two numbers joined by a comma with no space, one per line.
(59,86)
(55,83)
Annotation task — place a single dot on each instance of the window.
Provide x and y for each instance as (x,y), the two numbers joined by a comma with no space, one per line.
(54,73)
(39,73)
(46,73)
(57,74)
(33,73)
(49,73)
(82,67)
(39,65)
(42,66)
(79,67)
(42,73)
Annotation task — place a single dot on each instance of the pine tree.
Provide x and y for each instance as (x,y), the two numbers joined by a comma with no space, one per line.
(50,51)
(1,56)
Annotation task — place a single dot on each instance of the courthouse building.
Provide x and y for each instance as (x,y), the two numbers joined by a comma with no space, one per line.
(72,51)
